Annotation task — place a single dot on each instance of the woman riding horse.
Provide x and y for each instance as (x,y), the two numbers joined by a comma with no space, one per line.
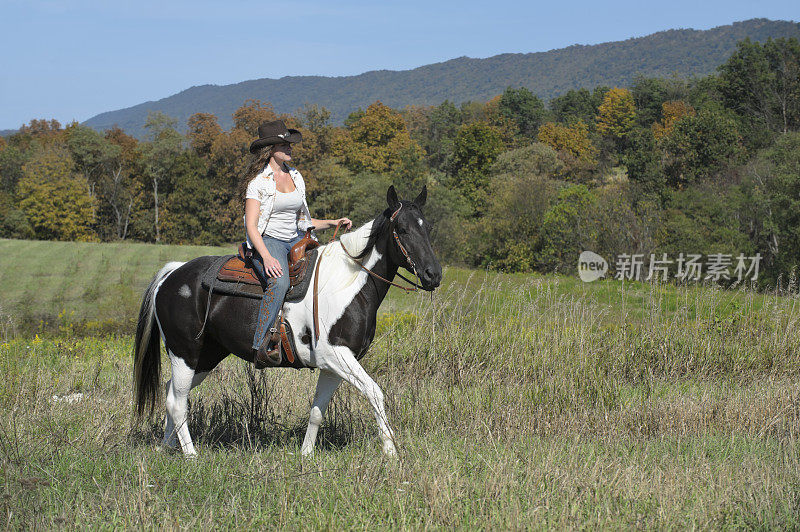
(275,209)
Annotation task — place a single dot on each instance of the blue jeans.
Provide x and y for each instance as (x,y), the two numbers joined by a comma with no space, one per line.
(276,286)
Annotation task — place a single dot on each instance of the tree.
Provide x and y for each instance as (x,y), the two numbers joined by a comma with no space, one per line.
(203,131)
(251,115)
(91,152)
(329,195)
(11,161)
(121,189)
(761,82)
(617,114)
(158,156)
(671,112)
(643,162)
(39,133)
(702,218)
(568,228)
(700,147)
(574,147)
(98,160)
(13,222)
(314,123)
(188,214)
(476,148)
(378,141)
(522,192)
(649,94)
(524,108)
(438,133)
(55,199)
(771,204)
(578,105)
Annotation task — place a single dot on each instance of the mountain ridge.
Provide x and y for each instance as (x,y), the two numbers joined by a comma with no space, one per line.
(685,52)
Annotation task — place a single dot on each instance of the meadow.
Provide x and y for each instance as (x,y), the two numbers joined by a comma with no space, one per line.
(519,401)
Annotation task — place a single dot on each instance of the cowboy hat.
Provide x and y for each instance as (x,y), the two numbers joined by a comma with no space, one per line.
(274,132)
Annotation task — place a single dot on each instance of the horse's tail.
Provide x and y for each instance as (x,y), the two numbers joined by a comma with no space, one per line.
(147,348)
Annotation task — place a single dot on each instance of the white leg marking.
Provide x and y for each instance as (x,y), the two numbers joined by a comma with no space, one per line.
(326,385)
(169,424)
(169,427)
(342,361)
(178,400)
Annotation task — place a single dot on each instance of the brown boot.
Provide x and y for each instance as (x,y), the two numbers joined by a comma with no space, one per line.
(269,354)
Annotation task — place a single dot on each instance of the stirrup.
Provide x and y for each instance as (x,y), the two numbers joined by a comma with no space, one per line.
(269,354)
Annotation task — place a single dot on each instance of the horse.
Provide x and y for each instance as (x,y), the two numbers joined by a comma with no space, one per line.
(199,329)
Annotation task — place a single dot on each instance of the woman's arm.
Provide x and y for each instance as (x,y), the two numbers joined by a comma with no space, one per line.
(327,224)
(252,208)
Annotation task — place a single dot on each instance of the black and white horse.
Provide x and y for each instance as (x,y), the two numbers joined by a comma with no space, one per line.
(175,305)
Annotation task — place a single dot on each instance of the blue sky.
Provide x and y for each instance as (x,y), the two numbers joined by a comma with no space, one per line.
(73,59)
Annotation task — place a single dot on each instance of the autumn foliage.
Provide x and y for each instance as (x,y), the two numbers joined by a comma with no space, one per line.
(666,165)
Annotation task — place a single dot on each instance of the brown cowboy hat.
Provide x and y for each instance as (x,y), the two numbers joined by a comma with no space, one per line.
(274,132)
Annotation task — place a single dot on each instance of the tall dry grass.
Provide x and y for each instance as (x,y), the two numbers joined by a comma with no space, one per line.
(519,402)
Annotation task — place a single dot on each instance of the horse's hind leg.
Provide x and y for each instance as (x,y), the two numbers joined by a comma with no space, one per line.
(169,440)
(326,386)
(178,402)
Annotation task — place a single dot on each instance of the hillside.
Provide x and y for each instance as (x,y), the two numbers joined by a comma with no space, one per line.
(684,52)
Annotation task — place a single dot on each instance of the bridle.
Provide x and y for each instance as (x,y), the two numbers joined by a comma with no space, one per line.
(414,286)
(402,248)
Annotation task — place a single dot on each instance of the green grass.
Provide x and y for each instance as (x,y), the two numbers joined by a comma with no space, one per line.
(519,401)
(45,284)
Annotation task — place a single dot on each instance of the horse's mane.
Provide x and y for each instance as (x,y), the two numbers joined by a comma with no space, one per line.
(361,241)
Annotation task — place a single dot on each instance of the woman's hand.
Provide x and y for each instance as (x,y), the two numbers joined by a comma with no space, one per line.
(271,266)
(347,223)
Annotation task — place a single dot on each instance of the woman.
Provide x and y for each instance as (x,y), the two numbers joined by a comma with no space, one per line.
(275,216)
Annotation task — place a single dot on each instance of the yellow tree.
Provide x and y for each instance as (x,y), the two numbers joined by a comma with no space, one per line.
(617,113)
(574,147)
(671,112)
(378,141)
(55,199)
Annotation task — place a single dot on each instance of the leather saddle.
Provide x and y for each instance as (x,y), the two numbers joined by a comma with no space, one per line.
(239,269)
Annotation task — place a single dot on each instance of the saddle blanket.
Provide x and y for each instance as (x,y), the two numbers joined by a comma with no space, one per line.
(210,281)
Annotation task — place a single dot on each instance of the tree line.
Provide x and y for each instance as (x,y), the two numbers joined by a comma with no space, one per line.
(706,165)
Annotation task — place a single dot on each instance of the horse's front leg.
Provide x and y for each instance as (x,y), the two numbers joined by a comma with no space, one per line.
(326,386)
(342,361)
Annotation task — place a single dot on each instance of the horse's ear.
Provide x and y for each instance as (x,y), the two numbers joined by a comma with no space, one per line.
(391,198)
(422,198)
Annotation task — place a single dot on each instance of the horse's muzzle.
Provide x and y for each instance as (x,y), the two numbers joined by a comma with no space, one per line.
(431,277)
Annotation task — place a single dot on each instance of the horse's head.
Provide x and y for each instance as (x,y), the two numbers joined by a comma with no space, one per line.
(410,245)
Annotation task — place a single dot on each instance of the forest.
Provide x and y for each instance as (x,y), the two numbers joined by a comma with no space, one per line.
(661,169)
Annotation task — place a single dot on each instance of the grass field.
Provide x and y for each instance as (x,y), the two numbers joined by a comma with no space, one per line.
(519,401)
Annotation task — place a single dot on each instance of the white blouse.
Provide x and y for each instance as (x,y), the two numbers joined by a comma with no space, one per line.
(263,188)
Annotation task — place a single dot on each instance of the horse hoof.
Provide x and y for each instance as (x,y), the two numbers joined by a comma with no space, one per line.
(164,449)
(389,449)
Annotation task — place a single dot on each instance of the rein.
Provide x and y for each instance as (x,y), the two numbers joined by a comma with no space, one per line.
(413,288)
